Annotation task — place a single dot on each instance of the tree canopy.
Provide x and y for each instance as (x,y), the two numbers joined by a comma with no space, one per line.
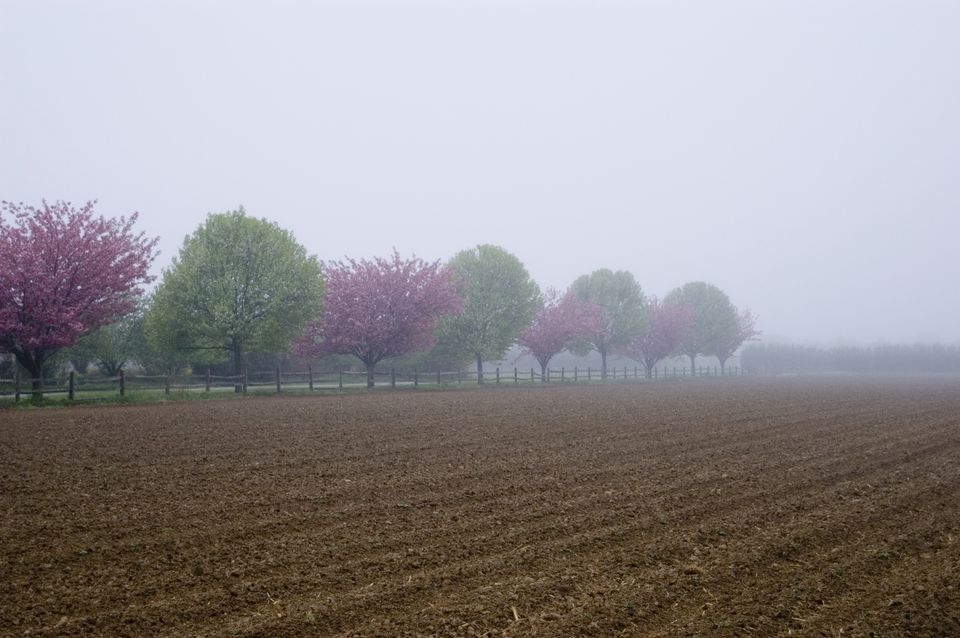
(560,324)
(666,326)
(64,273)
(713,318)
(112,347)
(381,308)
(500,301)
(732,339)
(238,284)
(621,298)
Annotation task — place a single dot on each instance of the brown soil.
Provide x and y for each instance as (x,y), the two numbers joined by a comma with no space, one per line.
(824,507)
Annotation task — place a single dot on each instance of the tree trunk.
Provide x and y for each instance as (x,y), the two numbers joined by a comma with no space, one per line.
(479,369)
(603,363)
(693,364)
(237,349)
(111,368)
(371,374)
(543,372)
(723,365)
(648,366)
(34,367)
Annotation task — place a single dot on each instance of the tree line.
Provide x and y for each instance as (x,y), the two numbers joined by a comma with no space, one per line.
(73,287)
(777,358)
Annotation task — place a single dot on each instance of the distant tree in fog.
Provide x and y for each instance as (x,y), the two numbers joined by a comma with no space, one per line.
(621,298)
(666,327)
(559,325)
(500,301)
(111,347)
(63,274)
(777,358)
(728,342)
(239,284)
(380,309)
(714,319)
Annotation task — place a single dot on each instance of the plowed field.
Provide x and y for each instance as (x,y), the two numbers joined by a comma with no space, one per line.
(805,507)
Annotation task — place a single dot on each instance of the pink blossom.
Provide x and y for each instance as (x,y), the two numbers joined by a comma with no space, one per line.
(562,322)
(63,274)
(667,324)
(380,309)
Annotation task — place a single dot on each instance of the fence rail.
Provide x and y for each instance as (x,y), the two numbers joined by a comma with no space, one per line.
(279,381)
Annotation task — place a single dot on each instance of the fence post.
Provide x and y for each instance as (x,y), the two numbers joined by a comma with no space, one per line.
(123,384)
(516,376)
(166,385)
(439,380)
(340,380)
(393,377)
(16,386)
(244,380)
(310,377)
(674,372)
(208,380)
(531,375)
(416,378)
(70,387)
(589,374)
(575,374)
(625,375)
(498,375)
(563,373)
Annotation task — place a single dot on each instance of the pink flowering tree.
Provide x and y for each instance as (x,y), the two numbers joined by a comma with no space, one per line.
(667,326)
(64,273)
(561,323)
(743,329)
(380,309)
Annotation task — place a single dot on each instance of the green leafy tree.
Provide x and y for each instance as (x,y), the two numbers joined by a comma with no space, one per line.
(620,297)
(240,284)
(501,300)
(111,347)
(713,320)
(744,330)
(165,347)
(79,359)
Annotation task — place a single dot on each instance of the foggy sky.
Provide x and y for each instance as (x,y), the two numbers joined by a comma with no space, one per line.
(803,156)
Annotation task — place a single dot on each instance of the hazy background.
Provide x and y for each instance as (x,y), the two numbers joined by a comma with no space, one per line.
(803,156)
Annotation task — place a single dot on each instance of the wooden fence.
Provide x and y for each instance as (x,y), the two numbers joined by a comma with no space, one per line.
(278,381)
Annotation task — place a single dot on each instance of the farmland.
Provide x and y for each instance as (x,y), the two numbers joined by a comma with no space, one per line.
(713,507)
